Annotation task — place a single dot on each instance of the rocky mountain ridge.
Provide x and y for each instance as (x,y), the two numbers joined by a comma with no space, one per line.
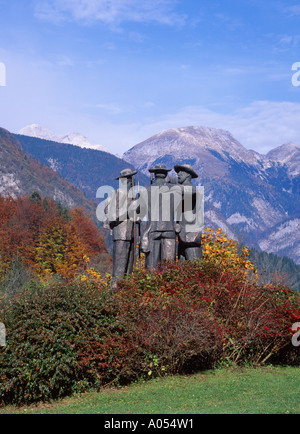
(288,154)
(21,175)
(73,138)
(254,198)
(87,169)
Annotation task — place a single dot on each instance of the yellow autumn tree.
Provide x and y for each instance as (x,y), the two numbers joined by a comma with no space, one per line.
(75,255)
(220,250)
(50,249)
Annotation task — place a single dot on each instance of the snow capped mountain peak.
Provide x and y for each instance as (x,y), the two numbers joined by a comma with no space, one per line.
(248,194)
(284,151)
(197,134)
(39,132)
(75,139)
(202,143)
(288,154)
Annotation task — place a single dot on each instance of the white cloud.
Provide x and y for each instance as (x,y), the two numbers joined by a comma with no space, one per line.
(286,39)
(286,42)
(185,66)
(110,108)
(293,11)
(262,125)
(65,61)
(149,105)
(112,12)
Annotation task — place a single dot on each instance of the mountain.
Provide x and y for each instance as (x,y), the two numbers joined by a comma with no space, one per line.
(210,150)
(288,154)
(77,139)
(87,169)
(36,130)
(273,268)
(254,198)
(21,175)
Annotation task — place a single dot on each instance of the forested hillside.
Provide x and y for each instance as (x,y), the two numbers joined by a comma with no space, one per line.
(40,238)
(87,169)
(21,174)
(273,268)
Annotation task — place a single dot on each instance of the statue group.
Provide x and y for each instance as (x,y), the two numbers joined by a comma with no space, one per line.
(172,209)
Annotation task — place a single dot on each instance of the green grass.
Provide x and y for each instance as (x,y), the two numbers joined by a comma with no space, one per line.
(266,390)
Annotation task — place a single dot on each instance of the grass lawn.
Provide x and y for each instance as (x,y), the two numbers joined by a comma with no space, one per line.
(265,390)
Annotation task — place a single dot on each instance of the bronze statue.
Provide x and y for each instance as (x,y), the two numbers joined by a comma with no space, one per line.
(190,216)
(159,238)
(172,206)
(122,226)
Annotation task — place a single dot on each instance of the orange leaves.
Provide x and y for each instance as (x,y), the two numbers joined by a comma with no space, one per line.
(87,232)
(93,276)
(47,240)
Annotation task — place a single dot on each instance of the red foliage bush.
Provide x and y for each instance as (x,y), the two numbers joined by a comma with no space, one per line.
(67,338)
(196,315)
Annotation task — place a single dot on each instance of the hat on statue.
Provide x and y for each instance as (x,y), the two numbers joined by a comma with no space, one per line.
(185,168)
(159,168)
(127,173)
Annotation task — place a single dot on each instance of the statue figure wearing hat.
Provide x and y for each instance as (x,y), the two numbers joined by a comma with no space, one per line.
(190,217)
(121,225)
(159,238)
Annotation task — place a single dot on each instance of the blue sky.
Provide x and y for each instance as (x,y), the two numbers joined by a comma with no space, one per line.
(119,71)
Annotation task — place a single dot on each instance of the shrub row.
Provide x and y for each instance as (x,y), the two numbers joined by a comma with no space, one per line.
(60,340)
(193,315)
(70,337)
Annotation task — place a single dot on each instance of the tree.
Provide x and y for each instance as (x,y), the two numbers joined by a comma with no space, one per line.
(222,251)
(47,237)
(50,250)
(35,197)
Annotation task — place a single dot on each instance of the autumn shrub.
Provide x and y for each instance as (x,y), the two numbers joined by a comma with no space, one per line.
(61,339)
(195,315)
(224,252)
(65,338)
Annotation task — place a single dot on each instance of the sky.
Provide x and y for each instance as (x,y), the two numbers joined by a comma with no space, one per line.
(120,71)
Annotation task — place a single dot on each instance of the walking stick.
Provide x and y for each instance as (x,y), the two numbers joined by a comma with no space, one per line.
(134,226)
(139,234)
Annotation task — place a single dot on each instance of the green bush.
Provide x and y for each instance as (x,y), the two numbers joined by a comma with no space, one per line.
(60,340)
